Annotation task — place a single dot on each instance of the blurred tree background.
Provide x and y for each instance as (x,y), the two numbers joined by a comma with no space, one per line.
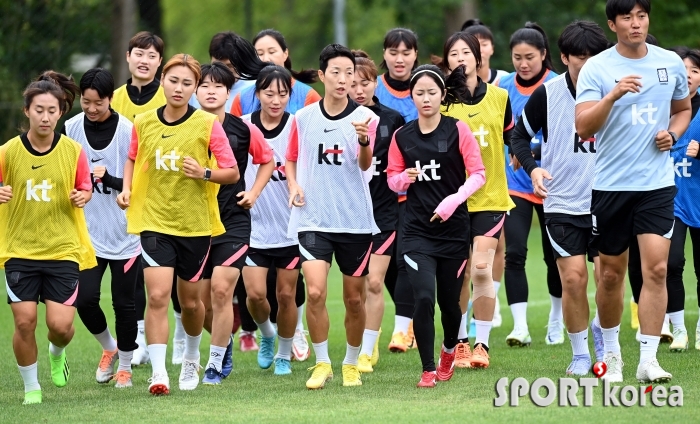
(74,35)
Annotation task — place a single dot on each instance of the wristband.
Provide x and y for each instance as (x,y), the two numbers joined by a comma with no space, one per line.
(674,137)
(207,174)
(361,143)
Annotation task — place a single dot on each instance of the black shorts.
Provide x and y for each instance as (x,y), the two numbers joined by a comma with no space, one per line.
(352,251)
(486,224)
(278,257)
(620,215)
(34,281)
(187,255)
(570,235)
(383,243)
(225,254)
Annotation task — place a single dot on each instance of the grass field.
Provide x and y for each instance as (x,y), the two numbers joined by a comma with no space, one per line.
(388,395)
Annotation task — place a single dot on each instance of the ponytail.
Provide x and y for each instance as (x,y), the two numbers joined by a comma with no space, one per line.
(454,86)
(62,87)
(535,36)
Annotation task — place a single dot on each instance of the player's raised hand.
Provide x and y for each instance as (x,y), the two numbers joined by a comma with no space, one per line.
(693,149)
(362,130)
(412,174)
(664,141)
(538,176)
(5,194)
(628,84)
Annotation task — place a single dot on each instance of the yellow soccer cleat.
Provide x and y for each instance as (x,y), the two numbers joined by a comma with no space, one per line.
(364,364)
(322,372)
(375,350)
(351,376)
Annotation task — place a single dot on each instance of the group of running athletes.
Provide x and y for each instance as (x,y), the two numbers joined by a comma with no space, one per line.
(239,170)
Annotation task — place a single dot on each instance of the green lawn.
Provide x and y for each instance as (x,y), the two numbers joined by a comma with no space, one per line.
(388,395)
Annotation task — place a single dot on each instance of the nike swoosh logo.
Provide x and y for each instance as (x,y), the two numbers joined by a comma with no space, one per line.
(643,342)
(166,136)
(96,160)
(471,116)
(37,167)
(327,130)
(616,81)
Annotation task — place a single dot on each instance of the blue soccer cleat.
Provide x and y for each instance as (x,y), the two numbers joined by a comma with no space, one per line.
(227,365)
(283,366)
(212,377)
(266,354)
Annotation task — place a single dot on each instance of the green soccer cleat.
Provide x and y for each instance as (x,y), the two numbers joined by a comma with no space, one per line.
(32,397)
(59,369)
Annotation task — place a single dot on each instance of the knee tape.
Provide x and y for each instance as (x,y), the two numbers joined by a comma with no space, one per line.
(482,278)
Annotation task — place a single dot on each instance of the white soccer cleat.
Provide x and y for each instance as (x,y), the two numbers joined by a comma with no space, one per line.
(651,372)
(189,374)
(300,346)
(178,351)
(497,318)
(160,384)
(140,356)
(680,340)
(519,337)
(555,333)
(614,364)
(666,335)
(638,335)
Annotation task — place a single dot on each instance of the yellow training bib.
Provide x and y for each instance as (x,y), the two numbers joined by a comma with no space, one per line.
(40,221)
(122,104)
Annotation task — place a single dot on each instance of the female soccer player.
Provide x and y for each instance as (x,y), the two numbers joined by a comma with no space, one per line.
(486,109)
(400,58)
(105,137)
(384,202)
(272,48)
(269,245)
(44,184)
(141,93)
(430,158)
(565,181)
(172,206)
(483,33)
(533,66)
(685,154)
(229,250)
(329,152)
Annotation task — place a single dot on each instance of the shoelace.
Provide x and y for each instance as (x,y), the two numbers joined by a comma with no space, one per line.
(156,377)
(480,351)
(191,369)
(318,368)
(122,377)
(267,348)
(462,350)
(575,363)
(300,338)
(105,362)
(677,332)
(614,364)
(353,373)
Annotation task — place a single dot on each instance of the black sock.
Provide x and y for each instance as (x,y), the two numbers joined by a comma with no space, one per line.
(486,348)
(463,341)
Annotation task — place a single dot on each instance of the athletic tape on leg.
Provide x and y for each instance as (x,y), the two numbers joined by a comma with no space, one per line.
(482,278)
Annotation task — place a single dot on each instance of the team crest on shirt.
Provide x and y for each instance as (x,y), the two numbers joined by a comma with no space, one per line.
(663,75)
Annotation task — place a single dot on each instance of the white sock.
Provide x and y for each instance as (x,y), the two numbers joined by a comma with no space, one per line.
(266,328)
(647,347)
(678,320)
(141,324)
(106,340)
(463,327)
(300,318)
(448,350)
(321,352)
(55,350)
(611,339)
(157,354)
(483,330)
(519,311)
(496,286)
(351,355)
(216,357)
(284,348)
(369,338)
(141,334)
(125,360)
(192,347)
(30,377)
(555,313)
(401,324)
(579,342)
(179,329)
